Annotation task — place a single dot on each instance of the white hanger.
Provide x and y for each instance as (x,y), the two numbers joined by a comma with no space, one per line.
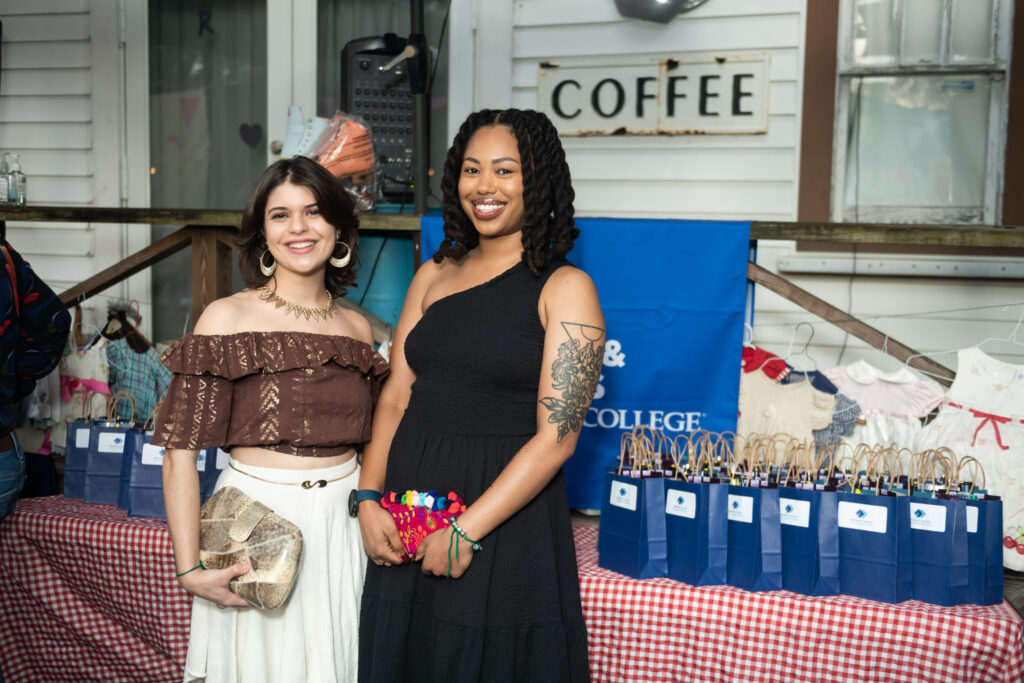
(1011,339)
(748,335)
(803,352)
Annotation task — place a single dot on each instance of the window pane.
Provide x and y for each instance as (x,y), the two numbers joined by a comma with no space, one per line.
(917,141)
(972,31)
(874,39)
(207,117)
(922,31)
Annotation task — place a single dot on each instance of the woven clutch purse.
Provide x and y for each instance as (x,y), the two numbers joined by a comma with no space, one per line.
(235,528)
(417,515)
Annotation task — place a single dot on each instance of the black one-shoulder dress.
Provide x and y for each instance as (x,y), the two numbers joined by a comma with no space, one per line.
(515,614)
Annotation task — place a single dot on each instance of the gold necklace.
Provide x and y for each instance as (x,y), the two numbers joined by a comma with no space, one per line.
(323,312)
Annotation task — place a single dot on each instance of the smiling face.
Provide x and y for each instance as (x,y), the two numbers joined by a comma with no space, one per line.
(298,237)
(491,182)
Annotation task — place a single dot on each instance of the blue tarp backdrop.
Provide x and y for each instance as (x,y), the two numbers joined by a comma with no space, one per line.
(673,295)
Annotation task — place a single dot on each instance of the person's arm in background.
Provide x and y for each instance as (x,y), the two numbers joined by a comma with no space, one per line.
(44,325)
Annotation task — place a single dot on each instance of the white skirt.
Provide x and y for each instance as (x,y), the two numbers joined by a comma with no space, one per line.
(314,636)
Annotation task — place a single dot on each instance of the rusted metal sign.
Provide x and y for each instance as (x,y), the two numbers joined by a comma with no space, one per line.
(693,95)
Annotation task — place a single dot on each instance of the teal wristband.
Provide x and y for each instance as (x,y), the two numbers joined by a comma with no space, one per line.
(368,494)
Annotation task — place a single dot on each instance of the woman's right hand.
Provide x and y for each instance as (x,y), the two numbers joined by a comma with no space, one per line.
(213,585)
(380,535)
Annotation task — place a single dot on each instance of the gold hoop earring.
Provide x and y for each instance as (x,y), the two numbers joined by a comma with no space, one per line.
(341,262)
(264,268)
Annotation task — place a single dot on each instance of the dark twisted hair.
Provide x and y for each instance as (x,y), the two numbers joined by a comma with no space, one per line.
(335,205)
(548,226)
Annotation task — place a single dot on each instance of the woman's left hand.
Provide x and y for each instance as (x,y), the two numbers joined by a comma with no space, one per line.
(434,552)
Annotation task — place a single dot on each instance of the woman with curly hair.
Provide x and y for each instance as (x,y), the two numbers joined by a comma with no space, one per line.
(495,360)
(285,379)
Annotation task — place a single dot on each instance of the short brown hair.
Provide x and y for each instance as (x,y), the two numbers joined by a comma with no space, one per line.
(334,203)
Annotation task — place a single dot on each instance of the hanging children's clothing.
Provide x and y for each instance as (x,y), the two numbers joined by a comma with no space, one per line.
(84,388)
(892,404)
(845,413)
(983,416)
(142,374)
(756,358)
(769,408)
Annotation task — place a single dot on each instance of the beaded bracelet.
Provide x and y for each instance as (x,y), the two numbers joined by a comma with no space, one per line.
(198,566)
(455,525)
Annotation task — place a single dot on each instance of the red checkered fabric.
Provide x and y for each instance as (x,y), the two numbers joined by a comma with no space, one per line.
(88,594)
(663,630)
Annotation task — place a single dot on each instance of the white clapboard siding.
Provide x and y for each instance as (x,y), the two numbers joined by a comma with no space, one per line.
(55,108)
(44,81)
(48,116)
(41,239)
(12,8)
(685,176)
(45,135)
(27,28)
(548,13)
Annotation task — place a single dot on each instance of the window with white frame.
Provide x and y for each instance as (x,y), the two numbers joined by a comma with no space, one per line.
(921,106)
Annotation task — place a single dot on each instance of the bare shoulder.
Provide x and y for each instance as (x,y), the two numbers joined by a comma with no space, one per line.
(569,281)
(223,315)
(358,324)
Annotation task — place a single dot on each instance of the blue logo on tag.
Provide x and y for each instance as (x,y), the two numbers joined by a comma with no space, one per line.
(735,504)
(622,491)
(680,500)
(117,440)
(919,513)
(789,508)
(861,514)
(161,451)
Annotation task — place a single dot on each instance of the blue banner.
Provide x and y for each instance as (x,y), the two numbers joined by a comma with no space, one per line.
(673,294)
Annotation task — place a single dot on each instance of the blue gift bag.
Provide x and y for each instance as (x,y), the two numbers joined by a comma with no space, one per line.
(755,539)
(875,547)
(631,537)
(103,462)
(135,439)
(810,541)
(938,533)
(696,525)
(76,454)
(984,523)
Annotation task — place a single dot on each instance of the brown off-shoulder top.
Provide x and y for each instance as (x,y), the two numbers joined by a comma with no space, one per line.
(298,393)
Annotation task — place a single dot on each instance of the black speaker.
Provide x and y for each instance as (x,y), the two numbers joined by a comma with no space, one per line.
(382,97)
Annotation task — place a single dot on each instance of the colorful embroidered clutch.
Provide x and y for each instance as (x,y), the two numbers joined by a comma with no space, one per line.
(418,515)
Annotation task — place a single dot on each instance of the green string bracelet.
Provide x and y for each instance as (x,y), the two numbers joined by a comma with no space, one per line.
(455,525)
(198,566)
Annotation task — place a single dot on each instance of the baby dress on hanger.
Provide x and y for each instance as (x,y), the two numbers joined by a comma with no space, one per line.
(892,404)
(84,388)
(983,416)
(769,408)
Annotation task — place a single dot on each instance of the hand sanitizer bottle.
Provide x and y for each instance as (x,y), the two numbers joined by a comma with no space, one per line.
(4,170)
(16,183)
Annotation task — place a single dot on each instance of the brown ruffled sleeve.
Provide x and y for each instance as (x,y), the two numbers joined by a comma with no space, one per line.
(196,412)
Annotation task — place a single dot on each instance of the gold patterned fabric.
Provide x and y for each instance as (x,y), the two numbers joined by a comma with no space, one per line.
(298,393)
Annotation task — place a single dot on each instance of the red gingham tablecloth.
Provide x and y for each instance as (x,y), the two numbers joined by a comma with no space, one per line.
(88,594)
(662,630)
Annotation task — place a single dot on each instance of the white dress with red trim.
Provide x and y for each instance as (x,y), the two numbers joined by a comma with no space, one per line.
(983,416)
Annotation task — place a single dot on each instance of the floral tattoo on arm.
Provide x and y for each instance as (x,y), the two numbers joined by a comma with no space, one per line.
(575,374)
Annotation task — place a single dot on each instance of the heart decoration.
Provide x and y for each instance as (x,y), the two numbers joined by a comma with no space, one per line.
(251,134)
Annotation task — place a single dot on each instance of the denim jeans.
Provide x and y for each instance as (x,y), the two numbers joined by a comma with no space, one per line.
(12,478)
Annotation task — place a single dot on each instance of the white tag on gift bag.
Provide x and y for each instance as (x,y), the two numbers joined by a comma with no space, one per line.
(741,508)
(863,517)
(624,495)
(680,503)
(152,455)
(795,512)
(110,442)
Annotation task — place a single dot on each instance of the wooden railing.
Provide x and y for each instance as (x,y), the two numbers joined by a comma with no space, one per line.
(209,234)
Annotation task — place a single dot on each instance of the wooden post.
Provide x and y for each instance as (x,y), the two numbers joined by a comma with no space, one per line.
(211,268)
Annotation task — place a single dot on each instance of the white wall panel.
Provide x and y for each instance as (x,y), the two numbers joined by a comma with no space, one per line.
(44,81)
(46,27)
